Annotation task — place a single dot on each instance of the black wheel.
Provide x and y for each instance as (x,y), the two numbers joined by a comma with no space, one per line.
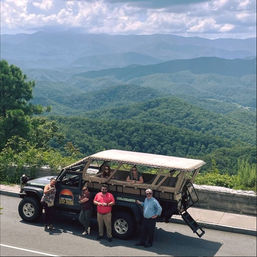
(123,225)
(30,209)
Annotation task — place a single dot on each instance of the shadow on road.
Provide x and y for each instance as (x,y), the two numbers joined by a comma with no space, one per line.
(165,242)
(173,243)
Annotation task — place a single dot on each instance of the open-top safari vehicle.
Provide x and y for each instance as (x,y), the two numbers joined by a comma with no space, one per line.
(169,177)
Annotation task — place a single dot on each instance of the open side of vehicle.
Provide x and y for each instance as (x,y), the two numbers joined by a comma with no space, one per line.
(170,178)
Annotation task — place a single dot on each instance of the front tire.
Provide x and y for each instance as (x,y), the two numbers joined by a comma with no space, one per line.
(123,225)
(30,209)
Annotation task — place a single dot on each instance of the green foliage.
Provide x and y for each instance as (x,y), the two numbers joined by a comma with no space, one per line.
(168,126)
(246,177)
(176,112)
(246,116)
(226,158)
(71,150)
(214,179)
(25,139)
(20,157)
(75,103)
(94,135)
(15,92)
(43,131)
(214,169)
(15,109)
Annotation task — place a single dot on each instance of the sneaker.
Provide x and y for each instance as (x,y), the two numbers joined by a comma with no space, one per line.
(84,233)
(109,239)
(51,227)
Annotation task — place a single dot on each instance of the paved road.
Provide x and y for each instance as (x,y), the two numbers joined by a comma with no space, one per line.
(25,239)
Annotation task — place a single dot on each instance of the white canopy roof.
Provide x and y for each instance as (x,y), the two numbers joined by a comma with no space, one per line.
(151,160)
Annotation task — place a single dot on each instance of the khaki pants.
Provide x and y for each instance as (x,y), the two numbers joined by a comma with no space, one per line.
(105,219)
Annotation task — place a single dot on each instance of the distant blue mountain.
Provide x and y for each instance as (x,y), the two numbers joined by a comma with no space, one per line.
(73,49)
(202,65)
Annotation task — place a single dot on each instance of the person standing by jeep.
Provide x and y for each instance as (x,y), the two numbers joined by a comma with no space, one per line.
(151,210)
(48,203)
(85,201)
(104,202)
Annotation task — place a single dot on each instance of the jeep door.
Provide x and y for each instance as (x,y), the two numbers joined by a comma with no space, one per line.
(68,190)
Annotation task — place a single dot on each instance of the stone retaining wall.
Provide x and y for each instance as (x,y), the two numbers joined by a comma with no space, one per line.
(225,199)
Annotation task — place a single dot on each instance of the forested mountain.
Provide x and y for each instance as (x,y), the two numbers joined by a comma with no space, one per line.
(164,94)
(200,108)
(175,112)
(97,62)
(225,80)
(213,90)
(202,65)
(77,102)
(73,49)
(91,135)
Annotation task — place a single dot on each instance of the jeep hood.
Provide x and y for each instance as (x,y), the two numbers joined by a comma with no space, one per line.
(40,181)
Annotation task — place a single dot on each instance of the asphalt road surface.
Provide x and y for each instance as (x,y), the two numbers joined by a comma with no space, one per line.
(19,238)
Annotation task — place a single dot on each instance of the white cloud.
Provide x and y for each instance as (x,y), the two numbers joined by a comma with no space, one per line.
(244,4)
(219,4)
(44,4)
(204,25)
(226,28)
(244,16)
(216,17)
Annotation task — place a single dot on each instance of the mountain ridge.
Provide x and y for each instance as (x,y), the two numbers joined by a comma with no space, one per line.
(61,49)
(236,67)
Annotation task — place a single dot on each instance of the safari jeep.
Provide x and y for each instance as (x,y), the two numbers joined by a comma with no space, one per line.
(169,177)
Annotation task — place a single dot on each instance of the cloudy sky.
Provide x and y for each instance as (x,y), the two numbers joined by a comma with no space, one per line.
(204,18)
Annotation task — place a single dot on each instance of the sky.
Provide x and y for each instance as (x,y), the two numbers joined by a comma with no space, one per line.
(202,18)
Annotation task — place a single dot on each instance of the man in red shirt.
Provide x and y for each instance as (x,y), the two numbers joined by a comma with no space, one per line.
(104,201)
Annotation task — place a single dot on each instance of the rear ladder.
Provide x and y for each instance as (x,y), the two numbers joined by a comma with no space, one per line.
(192,224)
(189,197)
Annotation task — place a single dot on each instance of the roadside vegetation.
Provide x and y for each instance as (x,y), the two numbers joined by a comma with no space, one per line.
(245,178)
(25,132)
(31,138)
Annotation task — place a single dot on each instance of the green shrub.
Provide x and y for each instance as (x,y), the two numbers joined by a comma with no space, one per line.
(15,163)
(246,175)
(215,179)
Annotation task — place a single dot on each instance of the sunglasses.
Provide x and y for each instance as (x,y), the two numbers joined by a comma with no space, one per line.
(148,193)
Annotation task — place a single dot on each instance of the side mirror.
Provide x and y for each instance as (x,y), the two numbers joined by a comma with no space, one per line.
(24,178)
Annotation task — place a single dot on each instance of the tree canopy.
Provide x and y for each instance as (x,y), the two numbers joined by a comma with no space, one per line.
(15,91)
(16,110)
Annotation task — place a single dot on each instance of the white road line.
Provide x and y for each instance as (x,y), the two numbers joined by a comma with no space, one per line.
(27,250)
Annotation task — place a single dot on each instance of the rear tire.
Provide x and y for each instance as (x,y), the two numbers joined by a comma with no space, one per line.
(30,209)
(123,225)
